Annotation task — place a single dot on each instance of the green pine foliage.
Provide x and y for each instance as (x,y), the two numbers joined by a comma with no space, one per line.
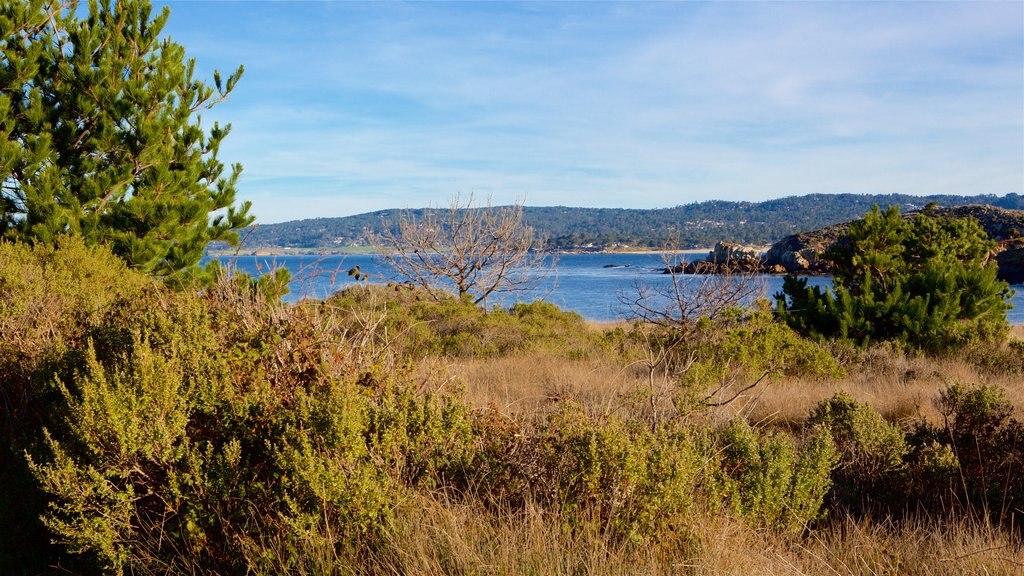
(926,281)
(100,135)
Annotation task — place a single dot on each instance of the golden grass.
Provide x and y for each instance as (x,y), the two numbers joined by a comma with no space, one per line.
(439,536)
(919,546)
(525,383)
(901,387)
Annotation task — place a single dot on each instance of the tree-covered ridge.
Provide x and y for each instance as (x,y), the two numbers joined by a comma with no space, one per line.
(698,224)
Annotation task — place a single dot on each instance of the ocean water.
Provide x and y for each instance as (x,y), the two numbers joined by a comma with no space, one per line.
(595,285)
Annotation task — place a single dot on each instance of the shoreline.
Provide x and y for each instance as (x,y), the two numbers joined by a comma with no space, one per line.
(280,251)
(342,252)
(347,250)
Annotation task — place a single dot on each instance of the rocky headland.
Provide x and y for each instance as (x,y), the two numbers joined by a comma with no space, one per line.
(803,253)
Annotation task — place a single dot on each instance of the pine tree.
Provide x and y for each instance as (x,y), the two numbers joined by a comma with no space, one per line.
(926,281)
(100,135)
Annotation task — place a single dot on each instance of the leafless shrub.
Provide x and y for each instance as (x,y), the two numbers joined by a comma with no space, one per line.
(672,319)
(689,299)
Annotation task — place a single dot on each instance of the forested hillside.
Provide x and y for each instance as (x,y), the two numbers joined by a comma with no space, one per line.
(698,224)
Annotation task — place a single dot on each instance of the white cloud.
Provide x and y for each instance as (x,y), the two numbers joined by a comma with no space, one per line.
(347,108)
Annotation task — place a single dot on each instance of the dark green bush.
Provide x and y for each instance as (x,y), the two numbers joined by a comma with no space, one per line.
(972,461)
(988,442)
(925,281)
(636,483)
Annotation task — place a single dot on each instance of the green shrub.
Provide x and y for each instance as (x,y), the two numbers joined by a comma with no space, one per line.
(635,483)
(418,324)
(871,450)
(51,296)
(228,434)
(767,479)
(750,344)
(757,342)
(1002,360)
(989,445)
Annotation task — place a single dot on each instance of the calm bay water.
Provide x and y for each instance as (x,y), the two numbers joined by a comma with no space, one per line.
(590,284)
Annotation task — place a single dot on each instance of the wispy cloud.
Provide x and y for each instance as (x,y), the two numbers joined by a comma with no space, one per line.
(352,107)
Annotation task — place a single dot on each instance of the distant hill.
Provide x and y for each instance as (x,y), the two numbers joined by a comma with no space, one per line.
(700,224)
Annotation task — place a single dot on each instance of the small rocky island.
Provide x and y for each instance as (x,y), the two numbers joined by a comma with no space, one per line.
(803,253)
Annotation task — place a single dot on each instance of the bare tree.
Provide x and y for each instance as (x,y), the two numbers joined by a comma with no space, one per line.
(474,251)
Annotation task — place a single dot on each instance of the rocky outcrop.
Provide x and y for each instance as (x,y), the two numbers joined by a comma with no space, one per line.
(736,254)
(999,223)
(803,253)
(1011,264)
(724,258)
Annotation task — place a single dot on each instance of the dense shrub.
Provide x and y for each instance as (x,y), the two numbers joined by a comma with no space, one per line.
(973,461)
(753,342)
(1006,359)
(767,478)
(871,452)
(988,442)
(224,434)
(640,483)
(414,323)
(50,297)
(635,483)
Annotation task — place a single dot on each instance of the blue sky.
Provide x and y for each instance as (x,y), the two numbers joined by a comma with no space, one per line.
(351,107)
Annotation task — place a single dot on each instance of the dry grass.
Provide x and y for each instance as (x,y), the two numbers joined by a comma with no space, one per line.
(861,548)
(902,388)
(526,383)
(439,536)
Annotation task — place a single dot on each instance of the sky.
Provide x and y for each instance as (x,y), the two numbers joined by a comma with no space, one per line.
(350,107)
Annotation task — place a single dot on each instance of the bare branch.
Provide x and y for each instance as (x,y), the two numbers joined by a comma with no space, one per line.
(474,251)
(702,291)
